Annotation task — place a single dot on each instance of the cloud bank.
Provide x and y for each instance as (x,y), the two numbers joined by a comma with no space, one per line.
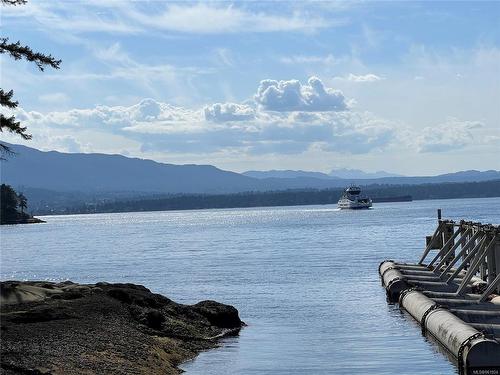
(221,128)
(286,118)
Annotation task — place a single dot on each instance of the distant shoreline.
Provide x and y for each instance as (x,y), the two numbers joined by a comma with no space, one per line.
(379,194)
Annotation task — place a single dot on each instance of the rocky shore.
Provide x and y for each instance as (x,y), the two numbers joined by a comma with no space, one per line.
(68,328)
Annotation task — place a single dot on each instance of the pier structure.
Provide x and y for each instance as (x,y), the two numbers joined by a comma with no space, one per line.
(454,292)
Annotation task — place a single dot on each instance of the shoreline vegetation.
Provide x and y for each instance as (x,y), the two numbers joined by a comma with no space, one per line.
(158,202)
(12,206)
(69,328)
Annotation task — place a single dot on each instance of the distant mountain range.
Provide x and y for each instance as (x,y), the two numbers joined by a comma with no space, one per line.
(286,174)
(334,174)
(358,174)
(97,173)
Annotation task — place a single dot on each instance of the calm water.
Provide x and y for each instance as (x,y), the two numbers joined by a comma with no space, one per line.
(304,278)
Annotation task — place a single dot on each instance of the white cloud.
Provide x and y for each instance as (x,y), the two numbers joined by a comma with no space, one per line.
(74,17)
(228,112)
(121,17)
(364,78)
(227,127)
(116,118)
(296,119)
(450,135)
(291,95)
(305,59)
(204,18)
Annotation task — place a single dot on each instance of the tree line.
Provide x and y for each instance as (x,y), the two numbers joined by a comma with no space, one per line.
(12,206)
(378,193)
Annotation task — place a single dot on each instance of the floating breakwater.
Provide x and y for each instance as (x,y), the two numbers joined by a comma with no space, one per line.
(455,296)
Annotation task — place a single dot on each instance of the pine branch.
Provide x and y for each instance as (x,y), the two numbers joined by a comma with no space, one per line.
(14,2)
(13,126)
(17,51)
(6,99)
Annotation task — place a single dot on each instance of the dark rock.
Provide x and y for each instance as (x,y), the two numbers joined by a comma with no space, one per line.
(152,302)
(218,314)
(40,314)
(121,295)
(72,294)
(154,319)
(129,286)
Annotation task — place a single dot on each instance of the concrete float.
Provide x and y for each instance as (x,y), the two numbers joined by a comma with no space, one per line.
(455,297)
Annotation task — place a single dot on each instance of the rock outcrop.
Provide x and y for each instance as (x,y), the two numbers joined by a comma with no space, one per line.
(68,328)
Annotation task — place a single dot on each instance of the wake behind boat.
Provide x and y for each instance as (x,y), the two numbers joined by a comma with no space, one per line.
(353,199)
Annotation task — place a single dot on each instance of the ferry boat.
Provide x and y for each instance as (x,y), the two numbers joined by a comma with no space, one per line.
(353,199)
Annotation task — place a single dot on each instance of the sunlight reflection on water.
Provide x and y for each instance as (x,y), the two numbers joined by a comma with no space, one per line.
(304,278)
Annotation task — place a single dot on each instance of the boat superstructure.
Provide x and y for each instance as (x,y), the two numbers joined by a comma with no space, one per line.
(353,199)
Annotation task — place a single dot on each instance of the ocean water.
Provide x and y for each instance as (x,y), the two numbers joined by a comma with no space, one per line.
(305,279)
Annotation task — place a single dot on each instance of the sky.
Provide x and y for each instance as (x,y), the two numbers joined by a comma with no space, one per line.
(406,87)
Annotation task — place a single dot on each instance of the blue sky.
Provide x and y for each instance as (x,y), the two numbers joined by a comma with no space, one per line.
(408,87)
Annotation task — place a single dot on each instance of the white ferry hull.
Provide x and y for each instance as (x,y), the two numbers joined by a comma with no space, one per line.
(346,204)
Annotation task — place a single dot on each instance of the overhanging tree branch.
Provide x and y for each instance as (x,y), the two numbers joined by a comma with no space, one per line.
(14,2)
(6,99)
(9,123)
(18,52)
(13,126)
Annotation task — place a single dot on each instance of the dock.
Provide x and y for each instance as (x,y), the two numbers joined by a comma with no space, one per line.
(454,292)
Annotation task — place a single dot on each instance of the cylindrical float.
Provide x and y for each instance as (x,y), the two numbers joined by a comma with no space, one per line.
(393,280)
(385,265)
(468,345)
